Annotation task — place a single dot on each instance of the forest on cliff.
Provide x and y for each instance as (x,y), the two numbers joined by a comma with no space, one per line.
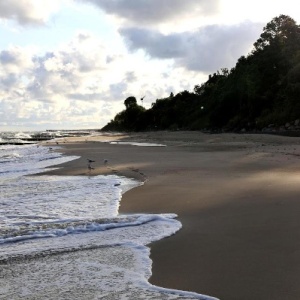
(262,90)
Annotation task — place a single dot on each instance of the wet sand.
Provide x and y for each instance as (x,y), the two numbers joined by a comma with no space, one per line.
(237,197)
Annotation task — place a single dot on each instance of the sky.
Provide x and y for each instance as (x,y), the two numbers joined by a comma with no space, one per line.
(70,64)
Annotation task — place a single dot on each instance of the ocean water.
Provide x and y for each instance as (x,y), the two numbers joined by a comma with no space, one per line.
(62,237)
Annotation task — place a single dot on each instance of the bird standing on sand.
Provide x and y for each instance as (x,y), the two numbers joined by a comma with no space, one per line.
(90,167)
(89,164)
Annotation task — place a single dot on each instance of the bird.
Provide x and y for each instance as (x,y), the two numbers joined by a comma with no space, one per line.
(90,160)
(105,161)
(90,167)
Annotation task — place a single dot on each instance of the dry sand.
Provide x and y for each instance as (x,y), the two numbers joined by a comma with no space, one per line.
(237,197)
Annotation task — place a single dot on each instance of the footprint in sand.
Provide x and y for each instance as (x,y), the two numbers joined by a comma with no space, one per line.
(137,171)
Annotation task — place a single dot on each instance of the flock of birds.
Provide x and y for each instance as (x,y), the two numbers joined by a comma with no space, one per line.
(90,161)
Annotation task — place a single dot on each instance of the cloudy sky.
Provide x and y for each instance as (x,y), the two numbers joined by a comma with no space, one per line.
(70,64)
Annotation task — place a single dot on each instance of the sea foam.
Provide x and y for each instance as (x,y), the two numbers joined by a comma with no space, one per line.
(66,233)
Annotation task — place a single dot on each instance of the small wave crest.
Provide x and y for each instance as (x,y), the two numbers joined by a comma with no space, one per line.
(24,160)
(32,230)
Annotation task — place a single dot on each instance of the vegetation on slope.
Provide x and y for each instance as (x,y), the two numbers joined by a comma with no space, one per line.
(262,89)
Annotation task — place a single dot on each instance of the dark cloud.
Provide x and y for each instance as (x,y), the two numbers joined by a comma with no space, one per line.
(14,57)
(156,44)
(130,77)
(8,57)
(207,49)
(117,90)
(86,97)
(9,81)
(155,11)
(110,59)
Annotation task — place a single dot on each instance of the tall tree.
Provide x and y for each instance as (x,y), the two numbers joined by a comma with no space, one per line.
(130,102)
(280,31)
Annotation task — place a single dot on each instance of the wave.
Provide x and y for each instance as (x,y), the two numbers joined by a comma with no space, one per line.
(37,230)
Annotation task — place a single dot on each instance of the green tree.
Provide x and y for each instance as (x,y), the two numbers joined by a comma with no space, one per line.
(280,30)
(130,102)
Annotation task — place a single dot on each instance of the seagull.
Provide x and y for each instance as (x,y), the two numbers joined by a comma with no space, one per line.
(90,167)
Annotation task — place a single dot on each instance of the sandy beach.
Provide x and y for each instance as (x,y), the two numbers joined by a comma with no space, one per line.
(236,195)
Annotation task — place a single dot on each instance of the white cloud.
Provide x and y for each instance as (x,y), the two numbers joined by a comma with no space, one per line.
(77,83)
(28,11)
(36,88)
(72,69)
(234,11)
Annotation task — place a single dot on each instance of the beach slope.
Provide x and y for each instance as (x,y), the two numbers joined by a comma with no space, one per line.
(237,197)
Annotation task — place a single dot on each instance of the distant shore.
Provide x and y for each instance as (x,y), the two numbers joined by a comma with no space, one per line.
(236,195)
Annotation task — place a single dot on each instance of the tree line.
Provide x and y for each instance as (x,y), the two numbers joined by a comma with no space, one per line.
(262,89)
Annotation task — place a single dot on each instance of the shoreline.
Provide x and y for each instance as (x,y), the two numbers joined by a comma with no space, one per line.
(235,195)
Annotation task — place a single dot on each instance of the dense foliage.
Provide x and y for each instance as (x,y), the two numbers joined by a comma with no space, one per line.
(263,88)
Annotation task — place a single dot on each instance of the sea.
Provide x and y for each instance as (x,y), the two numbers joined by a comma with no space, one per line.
(62,237)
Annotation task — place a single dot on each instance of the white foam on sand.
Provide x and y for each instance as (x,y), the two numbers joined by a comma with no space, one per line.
(111,265)
(62,237)
(138,144)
